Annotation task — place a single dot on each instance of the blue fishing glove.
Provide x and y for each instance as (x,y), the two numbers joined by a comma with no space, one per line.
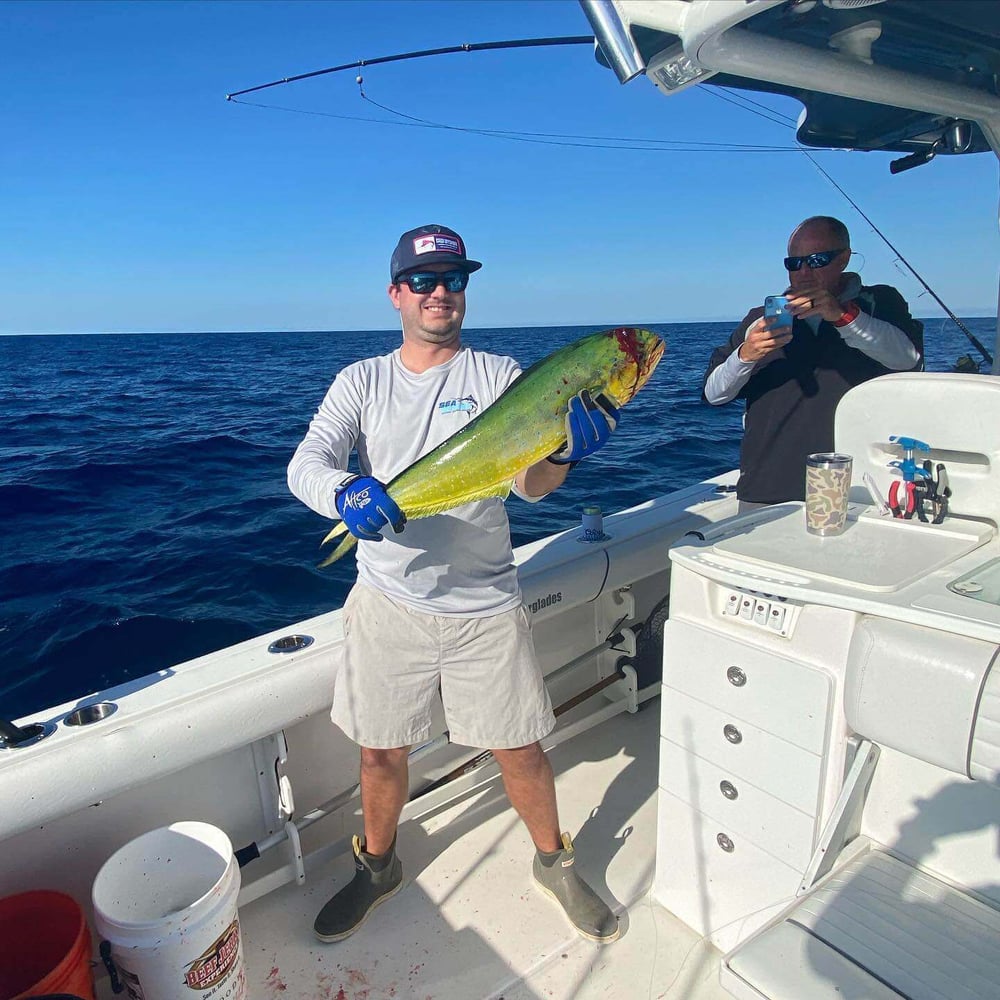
(365,507)
(589,424)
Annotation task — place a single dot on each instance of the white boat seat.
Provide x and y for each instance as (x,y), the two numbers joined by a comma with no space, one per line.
(955,415)
(877,930)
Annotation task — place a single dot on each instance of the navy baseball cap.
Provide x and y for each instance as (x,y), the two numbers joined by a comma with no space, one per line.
(429,245)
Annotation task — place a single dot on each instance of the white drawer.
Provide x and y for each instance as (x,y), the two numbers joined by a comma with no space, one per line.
(781,696)
(774,826)
(784,770)
(724,894)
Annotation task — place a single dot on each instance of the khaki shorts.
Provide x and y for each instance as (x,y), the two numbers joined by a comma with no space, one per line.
(395,660)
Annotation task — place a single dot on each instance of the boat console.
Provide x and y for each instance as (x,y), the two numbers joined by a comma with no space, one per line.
(829,790)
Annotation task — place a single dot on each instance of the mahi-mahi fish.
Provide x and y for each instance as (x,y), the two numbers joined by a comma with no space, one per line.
(524,425)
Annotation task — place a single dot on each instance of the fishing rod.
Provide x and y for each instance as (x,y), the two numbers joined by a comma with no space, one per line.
(12,735)
(987,357)
(645,665)
(516,43)
(485,756)
(790,124)
(588,40)
(255,849)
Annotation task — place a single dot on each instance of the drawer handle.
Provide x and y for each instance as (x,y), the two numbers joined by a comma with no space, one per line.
(736,677)
(732,733)
(725,843)
(728,789)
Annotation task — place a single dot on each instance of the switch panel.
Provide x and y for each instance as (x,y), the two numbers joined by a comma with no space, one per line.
(776,619)
(765,611)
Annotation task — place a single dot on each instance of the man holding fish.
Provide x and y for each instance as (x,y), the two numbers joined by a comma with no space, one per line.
(437,606)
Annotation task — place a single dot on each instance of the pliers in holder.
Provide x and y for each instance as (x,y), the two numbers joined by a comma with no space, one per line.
(935,494)
(915,482)
(905,506)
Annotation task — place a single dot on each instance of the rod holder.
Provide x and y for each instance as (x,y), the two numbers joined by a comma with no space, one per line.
(14,737)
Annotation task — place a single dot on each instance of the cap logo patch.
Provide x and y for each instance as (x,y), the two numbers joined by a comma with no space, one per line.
(437,243)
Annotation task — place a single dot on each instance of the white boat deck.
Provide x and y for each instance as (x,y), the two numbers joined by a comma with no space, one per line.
(469,922)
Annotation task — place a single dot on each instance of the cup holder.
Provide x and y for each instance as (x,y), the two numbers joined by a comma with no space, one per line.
(90,714)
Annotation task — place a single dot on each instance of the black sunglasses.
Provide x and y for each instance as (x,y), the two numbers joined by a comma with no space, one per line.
(422,282)
(813,260)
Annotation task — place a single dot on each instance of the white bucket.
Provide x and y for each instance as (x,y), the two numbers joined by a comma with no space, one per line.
(166,902)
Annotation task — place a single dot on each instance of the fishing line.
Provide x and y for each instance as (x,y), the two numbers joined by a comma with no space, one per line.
(702,940)
(972,338)
(590,142)
(541,138)
(878,232)
(749,105)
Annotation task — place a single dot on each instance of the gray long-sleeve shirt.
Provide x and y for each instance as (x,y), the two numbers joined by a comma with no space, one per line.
(457,563)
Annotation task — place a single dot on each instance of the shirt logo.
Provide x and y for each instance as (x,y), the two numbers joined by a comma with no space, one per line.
(437,243)
(467,404)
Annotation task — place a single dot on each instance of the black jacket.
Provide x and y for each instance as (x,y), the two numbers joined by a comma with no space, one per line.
(791,396)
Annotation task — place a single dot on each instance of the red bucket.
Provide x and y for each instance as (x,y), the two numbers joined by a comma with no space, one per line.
(46,947)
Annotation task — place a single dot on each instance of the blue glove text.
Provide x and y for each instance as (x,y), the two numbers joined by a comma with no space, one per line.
(365,507)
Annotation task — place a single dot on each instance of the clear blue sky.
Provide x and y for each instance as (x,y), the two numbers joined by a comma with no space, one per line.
(133,197)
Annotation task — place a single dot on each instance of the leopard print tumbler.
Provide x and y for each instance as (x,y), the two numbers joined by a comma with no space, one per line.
(828,481)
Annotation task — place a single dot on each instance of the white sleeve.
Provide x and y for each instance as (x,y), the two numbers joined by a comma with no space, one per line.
(726,380)
(881,341)
(524,496)
(319,464)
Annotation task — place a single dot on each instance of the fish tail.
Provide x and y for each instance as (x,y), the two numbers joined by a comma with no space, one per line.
(344,547)
(336,532)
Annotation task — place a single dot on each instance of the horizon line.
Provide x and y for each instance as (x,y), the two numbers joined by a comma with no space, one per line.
(465,329)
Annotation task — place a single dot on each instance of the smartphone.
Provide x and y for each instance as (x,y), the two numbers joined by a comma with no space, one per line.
(777,305)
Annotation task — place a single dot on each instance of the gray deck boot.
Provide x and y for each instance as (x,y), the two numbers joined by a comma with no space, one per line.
(376,878)
(555,874)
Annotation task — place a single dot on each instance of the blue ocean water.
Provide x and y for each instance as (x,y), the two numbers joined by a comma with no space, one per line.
(145,516)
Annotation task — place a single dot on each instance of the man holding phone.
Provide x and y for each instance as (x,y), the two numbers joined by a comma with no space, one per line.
(792,377)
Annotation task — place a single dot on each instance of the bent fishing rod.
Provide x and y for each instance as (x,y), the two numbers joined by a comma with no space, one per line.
(516,43)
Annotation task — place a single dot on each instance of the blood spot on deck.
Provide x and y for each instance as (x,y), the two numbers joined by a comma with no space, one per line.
(274,982)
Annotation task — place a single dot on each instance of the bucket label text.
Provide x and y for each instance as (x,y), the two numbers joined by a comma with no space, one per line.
(215,963)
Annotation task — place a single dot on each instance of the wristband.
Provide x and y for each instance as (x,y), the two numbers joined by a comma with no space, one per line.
(849,314)
(555,461)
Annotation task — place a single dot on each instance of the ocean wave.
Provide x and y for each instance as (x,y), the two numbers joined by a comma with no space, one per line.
(18,499)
